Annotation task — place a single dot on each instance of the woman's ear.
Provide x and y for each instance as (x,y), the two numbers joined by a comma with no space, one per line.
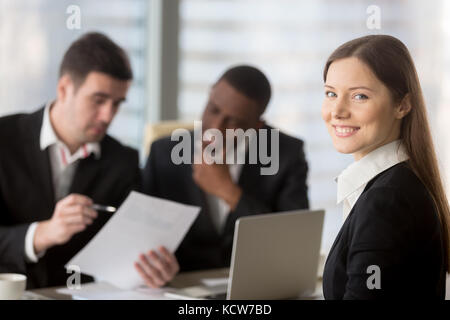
(404,107)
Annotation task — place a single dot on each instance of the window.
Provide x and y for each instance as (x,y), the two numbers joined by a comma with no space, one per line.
(34,37)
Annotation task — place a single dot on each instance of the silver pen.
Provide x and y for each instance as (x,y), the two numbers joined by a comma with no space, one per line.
(100,207)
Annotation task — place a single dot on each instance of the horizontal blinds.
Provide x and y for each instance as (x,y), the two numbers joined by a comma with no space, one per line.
(34,37)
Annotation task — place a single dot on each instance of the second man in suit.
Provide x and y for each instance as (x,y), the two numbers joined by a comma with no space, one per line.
(227,191)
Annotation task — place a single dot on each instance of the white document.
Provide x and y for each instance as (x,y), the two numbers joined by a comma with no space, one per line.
(142,223)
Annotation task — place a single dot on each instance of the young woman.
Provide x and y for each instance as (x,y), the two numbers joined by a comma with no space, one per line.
(394,242)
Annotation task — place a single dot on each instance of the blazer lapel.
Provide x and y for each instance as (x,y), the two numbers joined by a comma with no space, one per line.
(343,227)
(38,159)
(248,179)
(85,174)
(346,222)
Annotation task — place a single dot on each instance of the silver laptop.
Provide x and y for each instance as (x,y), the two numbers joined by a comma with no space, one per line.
(275,256)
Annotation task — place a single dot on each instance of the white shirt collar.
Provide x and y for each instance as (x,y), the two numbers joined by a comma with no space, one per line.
(362,171)
(48,138)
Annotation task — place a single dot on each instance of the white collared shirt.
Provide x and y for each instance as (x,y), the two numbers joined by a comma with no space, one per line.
(63,165)
(352,181)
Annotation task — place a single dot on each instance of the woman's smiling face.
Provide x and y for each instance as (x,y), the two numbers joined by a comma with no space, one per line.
(358,109)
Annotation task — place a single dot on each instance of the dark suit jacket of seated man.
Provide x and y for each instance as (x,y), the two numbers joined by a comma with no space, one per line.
(27,195)
(204,247)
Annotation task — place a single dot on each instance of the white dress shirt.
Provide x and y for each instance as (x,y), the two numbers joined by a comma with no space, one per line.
(63,166)
(352,181)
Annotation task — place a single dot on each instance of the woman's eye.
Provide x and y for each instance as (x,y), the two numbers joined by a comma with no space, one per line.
(330,94)
(361,97)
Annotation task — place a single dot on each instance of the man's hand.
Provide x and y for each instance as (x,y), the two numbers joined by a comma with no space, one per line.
(157,268)
(216,179)
(72,214)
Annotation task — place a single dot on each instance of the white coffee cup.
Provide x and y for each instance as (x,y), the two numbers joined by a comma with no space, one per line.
(12,286)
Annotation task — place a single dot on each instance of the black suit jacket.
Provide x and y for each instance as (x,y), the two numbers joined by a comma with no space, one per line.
(26,195)
(393,225)
(203,247)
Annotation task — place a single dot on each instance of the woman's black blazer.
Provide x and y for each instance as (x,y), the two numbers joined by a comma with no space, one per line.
(391,244)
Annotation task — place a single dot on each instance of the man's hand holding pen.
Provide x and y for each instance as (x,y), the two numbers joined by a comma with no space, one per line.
(71,215)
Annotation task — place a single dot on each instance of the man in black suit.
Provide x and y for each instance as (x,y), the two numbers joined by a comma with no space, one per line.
(229,190)
(57,162)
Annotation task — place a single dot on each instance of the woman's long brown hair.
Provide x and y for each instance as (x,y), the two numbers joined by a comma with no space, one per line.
(390,61)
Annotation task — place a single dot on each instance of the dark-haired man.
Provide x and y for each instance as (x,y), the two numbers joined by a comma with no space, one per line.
(57,162)
(228,190)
